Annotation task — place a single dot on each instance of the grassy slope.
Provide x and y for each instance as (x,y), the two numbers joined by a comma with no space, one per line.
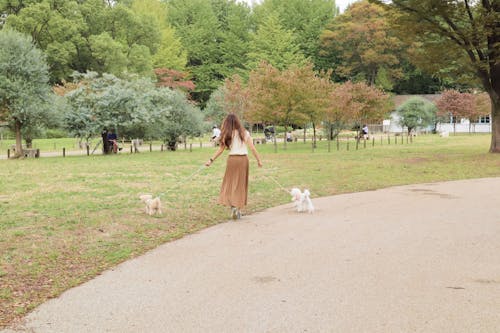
(64,220)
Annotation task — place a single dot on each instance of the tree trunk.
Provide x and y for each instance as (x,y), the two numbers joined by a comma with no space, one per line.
(19,139)
(495,126)
(314,135)
(284,137)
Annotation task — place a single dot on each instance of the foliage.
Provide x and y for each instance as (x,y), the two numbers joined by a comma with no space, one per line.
(455,105)
(24,90)
(361,103)
(274,45)
(461,37)
(365,48)
(306,19)
(416,112)
(88,35)
(215,35)
(133,108)
(214,112)
(173,79)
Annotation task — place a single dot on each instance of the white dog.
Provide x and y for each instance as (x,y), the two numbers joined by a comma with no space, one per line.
(153,205)
(302,200)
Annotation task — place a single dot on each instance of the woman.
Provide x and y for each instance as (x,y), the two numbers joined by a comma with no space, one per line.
(237,140)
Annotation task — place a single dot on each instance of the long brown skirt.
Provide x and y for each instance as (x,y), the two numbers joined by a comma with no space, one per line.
(234,189)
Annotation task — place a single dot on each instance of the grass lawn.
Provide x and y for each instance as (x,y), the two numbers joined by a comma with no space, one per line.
(65,220)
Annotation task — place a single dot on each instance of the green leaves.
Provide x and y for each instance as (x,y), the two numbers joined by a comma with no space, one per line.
(134,107)
(416,112)
(24,89)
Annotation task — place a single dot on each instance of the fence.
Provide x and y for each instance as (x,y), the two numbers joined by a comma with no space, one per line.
(338,144)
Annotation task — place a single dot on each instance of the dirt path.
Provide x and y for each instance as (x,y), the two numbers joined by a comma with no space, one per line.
(419,258)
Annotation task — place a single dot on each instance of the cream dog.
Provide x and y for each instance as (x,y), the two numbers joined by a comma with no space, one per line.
(302,200)
(153,205)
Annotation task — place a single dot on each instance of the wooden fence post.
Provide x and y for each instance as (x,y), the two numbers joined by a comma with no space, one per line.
(190,147)
(64,152)
(88,149)
(8,153)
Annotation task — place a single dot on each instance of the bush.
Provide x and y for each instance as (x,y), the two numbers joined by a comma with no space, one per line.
(55,133)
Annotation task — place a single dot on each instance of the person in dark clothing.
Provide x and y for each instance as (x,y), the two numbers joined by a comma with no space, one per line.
(112,141)
(105,142)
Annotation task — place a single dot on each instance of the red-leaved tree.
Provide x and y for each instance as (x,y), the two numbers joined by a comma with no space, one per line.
(455,105)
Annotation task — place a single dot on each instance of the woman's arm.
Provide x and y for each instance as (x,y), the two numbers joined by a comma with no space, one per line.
(217,154)
(249,142)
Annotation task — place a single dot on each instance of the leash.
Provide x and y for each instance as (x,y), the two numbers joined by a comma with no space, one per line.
(277,183)
(183,180)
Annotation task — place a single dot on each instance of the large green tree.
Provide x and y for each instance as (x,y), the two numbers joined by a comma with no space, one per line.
(306,19)
(87,35)
(215,35)
(275,45)
(463,35)
(364,48)
(24,90)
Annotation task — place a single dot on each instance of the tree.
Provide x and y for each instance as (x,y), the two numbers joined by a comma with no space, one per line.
(306,19)
(274,45)
(133,107)
(88,35)
(24,90)
(173,79)
(176,117)
(362,103)
(416,112)
(274,97)
(455,105)
(170,52)
(365,48)
(214,34)
(465,34)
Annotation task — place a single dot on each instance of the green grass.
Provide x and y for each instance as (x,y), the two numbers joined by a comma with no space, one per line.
(65,220)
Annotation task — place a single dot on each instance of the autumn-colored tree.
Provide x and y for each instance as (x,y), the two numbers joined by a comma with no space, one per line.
(173,79)
(482,108)
(463,35)
(337,114)
(313,91)
(362,103)
(236,96)
(361,40)
(284,97)
(455,105)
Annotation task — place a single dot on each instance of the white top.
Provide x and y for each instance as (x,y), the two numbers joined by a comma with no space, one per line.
(237,146)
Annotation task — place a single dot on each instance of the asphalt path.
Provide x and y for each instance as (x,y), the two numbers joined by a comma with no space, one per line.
(418,258)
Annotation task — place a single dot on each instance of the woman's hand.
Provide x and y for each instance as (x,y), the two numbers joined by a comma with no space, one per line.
(259,163)
(209,163)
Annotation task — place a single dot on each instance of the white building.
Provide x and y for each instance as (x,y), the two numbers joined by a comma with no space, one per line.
(481,125)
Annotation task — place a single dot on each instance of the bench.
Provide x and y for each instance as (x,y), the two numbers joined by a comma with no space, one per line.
(33,153)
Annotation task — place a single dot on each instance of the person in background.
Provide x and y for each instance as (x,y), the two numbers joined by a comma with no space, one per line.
(236,139)
(215,135)
(364,131)
(113,141)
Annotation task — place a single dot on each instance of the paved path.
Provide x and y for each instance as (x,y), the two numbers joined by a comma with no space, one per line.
(419,258)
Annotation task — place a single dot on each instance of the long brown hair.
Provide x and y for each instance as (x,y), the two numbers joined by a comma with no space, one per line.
(230,124)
